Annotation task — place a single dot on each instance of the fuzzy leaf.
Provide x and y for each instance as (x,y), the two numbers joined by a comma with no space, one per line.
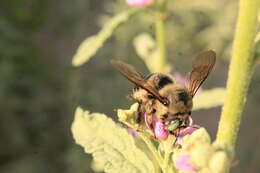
(109,144)
(92,44)
(209,98)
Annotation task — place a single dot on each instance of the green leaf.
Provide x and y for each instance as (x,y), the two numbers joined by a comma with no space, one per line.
(209,98)
(109,144)
(92,44)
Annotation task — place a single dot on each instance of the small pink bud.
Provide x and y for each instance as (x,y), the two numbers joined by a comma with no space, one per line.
(132,132)
(183,163)
(139,3)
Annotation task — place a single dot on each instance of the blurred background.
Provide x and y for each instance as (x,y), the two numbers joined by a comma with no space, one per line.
(39,88)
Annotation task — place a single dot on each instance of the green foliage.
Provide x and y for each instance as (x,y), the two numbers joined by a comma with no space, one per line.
(209,98)
(92,44)
(32,35)
(206,157)
(109,144)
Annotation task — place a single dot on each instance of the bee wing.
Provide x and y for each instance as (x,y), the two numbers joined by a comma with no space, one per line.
(132,75)
(201,67)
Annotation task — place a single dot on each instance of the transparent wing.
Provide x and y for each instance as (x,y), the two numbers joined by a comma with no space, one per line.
(132,75)
(201,67)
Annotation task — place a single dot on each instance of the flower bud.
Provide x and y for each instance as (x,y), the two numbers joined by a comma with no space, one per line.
(183,163)
(219,162)
(139,3)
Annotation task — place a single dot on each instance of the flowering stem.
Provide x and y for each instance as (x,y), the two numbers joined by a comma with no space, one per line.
(240,72)
(160,35)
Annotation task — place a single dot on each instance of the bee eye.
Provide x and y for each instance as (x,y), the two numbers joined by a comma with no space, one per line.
(165,116)
(183,96)
(166,102)
(179,113)
(176,114)
(150,96)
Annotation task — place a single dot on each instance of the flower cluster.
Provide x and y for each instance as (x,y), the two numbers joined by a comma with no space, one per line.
(199,155)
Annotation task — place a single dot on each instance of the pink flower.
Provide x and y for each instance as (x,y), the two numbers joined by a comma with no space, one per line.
(187,131)
(160,131)
(139,3)
(183,163)
(157,127)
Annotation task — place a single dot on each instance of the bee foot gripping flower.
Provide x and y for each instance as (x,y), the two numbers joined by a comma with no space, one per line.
(139,3)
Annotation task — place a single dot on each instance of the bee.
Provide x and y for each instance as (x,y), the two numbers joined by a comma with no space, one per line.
(159,94)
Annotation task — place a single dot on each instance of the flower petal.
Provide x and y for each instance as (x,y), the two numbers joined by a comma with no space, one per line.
(183,163)
(188,130)
(160,131)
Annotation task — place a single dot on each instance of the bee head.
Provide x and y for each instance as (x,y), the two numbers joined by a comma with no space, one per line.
(179,101)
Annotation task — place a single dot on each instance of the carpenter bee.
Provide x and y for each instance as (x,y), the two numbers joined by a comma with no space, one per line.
(158,94)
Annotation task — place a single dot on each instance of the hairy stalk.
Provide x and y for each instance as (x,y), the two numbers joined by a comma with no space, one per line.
(160,35)
(240,72)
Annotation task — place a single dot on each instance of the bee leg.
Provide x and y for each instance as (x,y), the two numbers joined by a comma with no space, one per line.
(138,115)
(176,139)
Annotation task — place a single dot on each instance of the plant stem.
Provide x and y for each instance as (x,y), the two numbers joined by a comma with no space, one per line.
(166,162)
(160,35)
(240,72)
